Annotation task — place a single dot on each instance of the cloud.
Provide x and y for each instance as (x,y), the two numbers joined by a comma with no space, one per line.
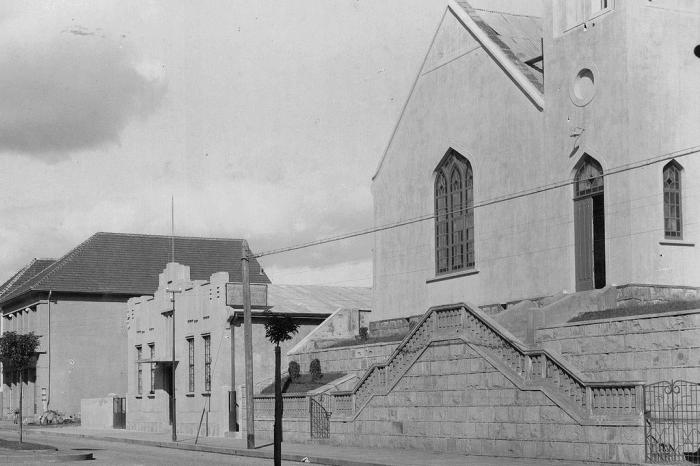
(72,91)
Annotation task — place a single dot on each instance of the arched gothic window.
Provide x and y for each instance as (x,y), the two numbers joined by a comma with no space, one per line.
(673,220)
(454,214)
(588,179)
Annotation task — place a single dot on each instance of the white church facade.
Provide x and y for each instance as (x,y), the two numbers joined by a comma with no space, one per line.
(540,155)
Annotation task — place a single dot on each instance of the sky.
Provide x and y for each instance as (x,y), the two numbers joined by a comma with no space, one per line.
(264,120)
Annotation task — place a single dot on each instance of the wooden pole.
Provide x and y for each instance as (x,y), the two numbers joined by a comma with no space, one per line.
(248,343)
(278,409)
(21,377)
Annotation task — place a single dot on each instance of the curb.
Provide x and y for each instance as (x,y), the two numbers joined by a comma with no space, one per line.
(44,457)
(220,450)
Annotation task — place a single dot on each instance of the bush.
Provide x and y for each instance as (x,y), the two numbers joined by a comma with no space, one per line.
(364,333)
(315,369)
(293,370)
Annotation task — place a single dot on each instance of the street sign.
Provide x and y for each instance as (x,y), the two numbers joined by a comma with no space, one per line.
(258,295)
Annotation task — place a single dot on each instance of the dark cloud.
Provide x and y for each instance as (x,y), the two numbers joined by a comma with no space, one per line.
(75,92)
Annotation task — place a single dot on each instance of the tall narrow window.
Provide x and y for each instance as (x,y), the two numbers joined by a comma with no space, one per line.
(673,220)
(454,214)
(190,376)
(152,347)
(207,362)
(139,371)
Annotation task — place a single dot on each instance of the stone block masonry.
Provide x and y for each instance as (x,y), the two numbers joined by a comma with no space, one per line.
(452,399)
(649,348)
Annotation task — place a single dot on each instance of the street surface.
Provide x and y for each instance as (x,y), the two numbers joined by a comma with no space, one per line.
(115,453)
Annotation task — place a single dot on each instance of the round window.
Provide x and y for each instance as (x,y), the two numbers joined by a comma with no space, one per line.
(583,87)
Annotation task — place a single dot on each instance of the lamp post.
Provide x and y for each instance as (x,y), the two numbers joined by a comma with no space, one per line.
(173,411)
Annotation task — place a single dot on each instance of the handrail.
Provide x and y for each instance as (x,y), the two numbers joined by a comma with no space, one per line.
(534,369)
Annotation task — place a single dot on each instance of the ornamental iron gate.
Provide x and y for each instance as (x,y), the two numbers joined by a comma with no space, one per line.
(320,418)
(672,422)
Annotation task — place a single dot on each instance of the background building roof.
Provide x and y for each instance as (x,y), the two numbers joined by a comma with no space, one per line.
(317,299)
(129,264)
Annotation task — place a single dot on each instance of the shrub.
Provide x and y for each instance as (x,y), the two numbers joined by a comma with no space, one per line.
(293,370)
(315,369)
(364,335)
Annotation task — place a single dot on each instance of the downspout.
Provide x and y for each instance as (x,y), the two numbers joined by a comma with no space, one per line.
(48,354)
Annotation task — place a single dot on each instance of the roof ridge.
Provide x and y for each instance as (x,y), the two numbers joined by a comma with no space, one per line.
(59,263)
(149,235)
(10,283)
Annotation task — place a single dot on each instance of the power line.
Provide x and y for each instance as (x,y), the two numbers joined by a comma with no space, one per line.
(496,200)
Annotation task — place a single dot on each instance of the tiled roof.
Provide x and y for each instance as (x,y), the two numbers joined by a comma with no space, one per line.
(317,299)
(519,36)
(25,273)
(129,264)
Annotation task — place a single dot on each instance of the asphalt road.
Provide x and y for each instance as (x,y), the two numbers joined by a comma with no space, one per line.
(116,453)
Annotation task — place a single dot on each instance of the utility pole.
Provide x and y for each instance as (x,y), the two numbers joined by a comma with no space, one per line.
(248,343)
(173,410)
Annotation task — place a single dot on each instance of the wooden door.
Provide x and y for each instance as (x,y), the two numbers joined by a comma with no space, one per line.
(583,239)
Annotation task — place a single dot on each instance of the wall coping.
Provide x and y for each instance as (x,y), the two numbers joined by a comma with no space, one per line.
(340,348)
(618,319)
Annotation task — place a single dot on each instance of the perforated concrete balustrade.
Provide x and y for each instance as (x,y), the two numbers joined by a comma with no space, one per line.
(589,403)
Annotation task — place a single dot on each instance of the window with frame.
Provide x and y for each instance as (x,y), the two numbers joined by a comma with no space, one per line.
(152,348)
(673,219)
(139,371)
(190,366)
(454,214)
(572,13)
(207,362)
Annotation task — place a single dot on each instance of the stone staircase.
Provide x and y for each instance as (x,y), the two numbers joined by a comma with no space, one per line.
(587,402)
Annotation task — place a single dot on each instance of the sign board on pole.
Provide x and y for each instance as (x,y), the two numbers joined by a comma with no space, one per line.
(258,295)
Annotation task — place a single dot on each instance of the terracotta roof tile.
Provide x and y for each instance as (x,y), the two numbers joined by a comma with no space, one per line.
(129,264)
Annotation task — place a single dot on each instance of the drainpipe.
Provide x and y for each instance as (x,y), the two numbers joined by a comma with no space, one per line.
(48,354)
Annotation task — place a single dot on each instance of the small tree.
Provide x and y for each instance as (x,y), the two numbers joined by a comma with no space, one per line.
(279,328)
(16,353)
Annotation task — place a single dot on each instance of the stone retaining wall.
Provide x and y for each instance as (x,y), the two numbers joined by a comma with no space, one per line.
(649,348)
(452,399)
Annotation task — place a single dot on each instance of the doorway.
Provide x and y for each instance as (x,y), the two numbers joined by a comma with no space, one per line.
(589,225)
(166,369)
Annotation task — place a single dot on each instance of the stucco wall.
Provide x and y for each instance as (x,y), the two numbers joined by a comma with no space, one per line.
(97,413)
(349,359)
(644,106)
(88,347)
(646,348)
(200,310)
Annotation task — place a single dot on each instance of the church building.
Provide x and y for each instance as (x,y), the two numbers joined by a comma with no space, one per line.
(541,155)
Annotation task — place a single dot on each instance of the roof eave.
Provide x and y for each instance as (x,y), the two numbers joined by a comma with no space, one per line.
(504,61)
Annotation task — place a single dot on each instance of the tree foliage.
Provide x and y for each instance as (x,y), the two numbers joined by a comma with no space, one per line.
(17,349)
(279,328)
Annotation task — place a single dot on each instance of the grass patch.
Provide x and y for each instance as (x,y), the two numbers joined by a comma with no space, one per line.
(15,445)
(303,383)
(368,341)
(638,310)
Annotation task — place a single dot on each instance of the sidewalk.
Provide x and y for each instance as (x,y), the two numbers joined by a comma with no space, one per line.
(314,453)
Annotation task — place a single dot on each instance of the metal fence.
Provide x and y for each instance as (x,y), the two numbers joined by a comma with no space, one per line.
(672,422)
